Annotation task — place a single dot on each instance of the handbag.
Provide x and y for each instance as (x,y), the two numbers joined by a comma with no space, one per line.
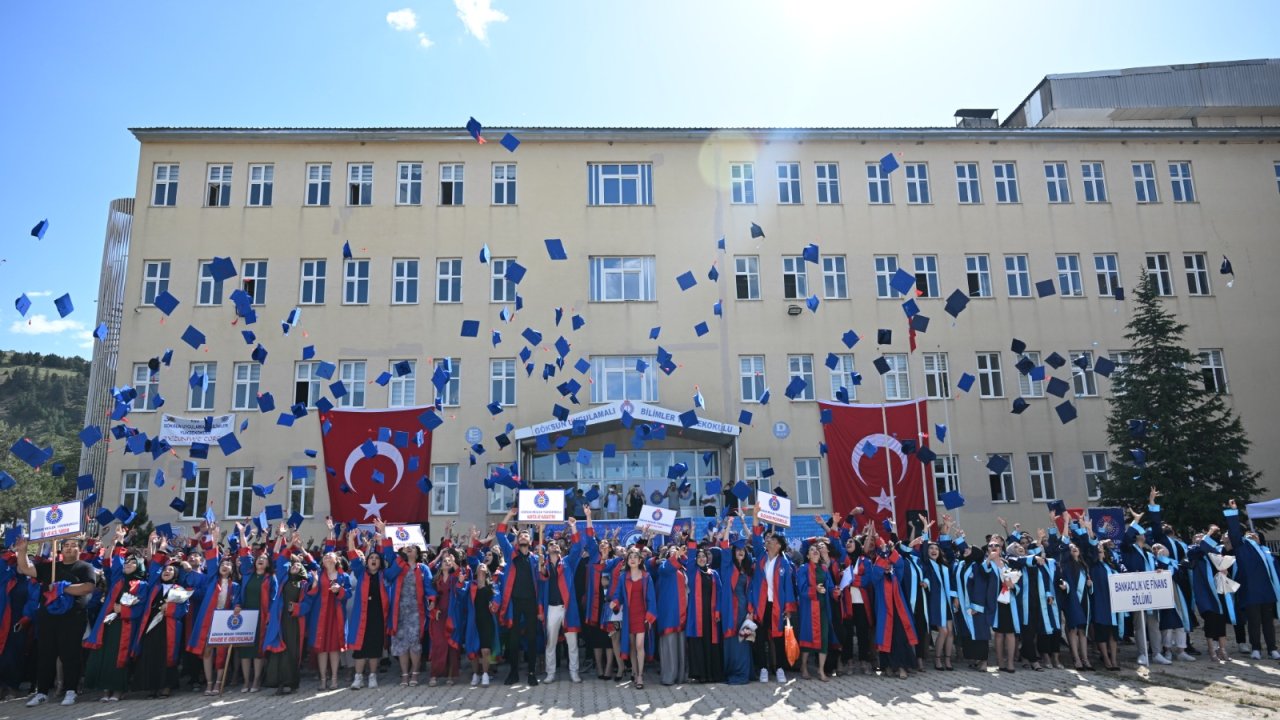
(791,645)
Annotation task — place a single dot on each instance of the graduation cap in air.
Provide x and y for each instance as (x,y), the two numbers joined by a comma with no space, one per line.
(884,336)
(1104,366)
(795,387)
(1057,507)
(686,280)
(259,355)
(1055,360)
(1019,405)
(1066,411)
(510,142)
(811,253)
(688,419)
(1082,362)
(1057,387)
(1226,269)
(1045,288)
(222,268)
(888,164)
(193,337)
(229,443)
(881,365)
(849,338)
(104,517)
(920,323)
(1037,373)
(903,282)
(997,464)
(926,455)
(756,231)
(744,417)
(965,382)
(1024,365)
(514,272)
(90,435)
(64,305)
(957,301)
(952,500)
(470,328)
(23,304)
(40,229)
(1137,428)
(84,482)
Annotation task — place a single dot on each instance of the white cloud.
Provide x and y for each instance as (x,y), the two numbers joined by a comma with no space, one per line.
(41,325)
(402,19)
(424,41)
(39,293)
(477,15)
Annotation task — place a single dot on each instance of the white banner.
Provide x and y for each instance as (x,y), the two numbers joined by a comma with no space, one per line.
(184,431)
(773,508)
(53,521)
(542,505)
(1141,591)
(405,535)
(228,628)
(613,411)
(658,519)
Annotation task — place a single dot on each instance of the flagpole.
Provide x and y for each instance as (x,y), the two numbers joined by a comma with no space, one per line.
(946,415)
(888,468)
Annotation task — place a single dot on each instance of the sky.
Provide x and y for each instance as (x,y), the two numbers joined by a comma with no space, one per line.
(77,75)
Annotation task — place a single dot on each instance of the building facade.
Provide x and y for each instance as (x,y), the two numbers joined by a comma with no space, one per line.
(989,211)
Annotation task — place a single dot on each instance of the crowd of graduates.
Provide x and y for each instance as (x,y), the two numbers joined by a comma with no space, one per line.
(734,601)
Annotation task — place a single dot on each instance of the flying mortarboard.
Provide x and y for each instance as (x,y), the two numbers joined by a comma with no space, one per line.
(23,304)
(811,253)
(888,164)
(106,517)
(484,253)
(1024,365)
(193,337)
(741,490)
(701,329)
(40,229)
(686,280)
(882,365)
(957,301)
(952,499)
(166,302)
(920,323)
(1104,366)
(84,482)
(795,387)
(470,328)
(744,417)
(90,435)
(997,464)
(903,282)
(1066,411)
(850,338)
(884,337)
(383,378)
(64,305)
(926,455)
(965,382)
(1045,288)
(510,142)
(756,231)
(812,303)
(713,274)
(223,269)
(229,443)
(514,272)
(274,512)
(1057,507)
(1055,360)
(259,355)
(688,418)
(1019,405)
(1057,387)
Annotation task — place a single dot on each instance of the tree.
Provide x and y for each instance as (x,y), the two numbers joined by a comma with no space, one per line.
(1167,431)
(34,488)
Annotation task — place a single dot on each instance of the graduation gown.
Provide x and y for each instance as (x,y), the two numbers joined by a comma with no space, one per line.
(622,596)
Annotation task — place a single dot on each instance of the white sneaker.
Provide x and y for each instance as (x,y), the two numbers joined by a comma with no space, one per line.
(1245,647)
(373,680)
(574,677)
(1184,657)
(475,679)
(1256,655)
(357,684)
(549,678)
(37,699)
(484,680)
(1160,659)
(764,675)
(1142,660)
(1275,654)
(782,677)
(69,698)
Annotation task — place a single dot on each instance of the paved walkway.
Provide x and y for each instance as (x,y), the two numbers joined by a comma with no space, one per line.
(1196,691)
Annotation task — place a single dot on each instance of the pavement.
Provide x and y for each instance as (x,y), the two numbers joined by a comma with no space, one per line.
(1239,689)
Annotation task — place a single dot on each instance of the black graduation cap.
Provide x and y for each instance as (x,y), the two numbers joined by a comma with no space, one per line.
(920,323)
(1055,360)
(1019,405)
(1017,346)
(884,337)
(1024,365)
(926,455)
(882,365)
(957,301)
(1066,412)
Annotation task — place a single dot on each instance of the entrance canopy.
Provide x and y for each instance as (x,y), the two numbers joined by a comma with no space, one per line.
(615,412)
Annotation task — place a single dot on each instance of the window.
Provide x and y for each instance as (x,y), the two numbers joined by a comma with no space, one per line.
(239,492)
(134,485)
(1006,174)
(742,183)
(451,183)
(253,278)
(801,366)
(312,285)
(808,482)
(302,492)
(352,374)
(1197,267)
(1040,468)
(504,183)
(355,282)
(201,396)
(501,289)
(1095,471)
(452,394)
(990,379)
(246,377)
(195,493)
(1002,490)
(917,184)
(967,190)
(886,268)
(620,184)
(1161,275)
(403,389)
(614,378)
(502,381)
(753,474)
(795,279)
(1106,268)
(262,179)
(148,387)
(155,280)
(444,491)
(404,285)
(946,475)
(1070,282)
(834,284)
(1144,182)
(622,279)
(1095,183)
(360,184)
(165,193)
(1276,167)
(878,190)
(409,183)
(897,382)
(842,376)
(1122,359)
(1055,180)
(219,188)
(789,183)
(1184,190)
(937,376)
(306,384)
(318,177)
(751,377)
(449,280)
(926,276)
(746,271)
(209,290)
(501,497)
(1017,275)
(1084,382)
(978,272)
(1213,371)
(1027,387)
(828,183)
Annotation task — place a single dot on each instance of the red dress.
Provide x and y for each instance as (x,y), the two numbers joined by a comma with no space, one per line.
(331,631)
(636,609)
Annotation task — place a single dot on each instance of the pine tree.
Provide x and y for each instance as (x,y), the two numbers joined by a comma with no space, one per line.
(1167,431)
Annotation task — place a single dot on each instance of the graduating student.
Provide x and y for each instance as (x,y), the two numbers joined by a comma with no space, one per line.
(1007,616)
(482,630)
(326,603)
(1136,557)
(559,596)
(703,651)
(62,616)
(977,594)
(635,601)
(409,585)
(1073,587)
(1211,589)
(217,586)
(287,624)
(939,596)
(167,604)
(257,587)
(366,621)
(814,588)
(21,602)
(442,611)
(519,609)
(118,628)
(773,598)
(1039,611)
(735,600)
(672,611)
(1106,625)
(599,629)
(895,629)
(1259,593)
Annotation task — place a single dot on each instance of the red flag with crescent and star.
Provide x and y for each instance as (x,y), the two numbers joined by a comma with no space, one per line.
(869,466)
(374,461)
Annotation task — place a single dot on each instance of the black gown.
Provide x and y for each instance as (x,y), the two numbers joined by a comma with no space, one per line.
(705,658)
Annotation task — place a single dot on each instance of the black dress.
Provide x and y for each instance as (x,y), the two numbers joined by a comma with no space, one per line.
(484,618)
(705,658)
(154,672)
(375,627)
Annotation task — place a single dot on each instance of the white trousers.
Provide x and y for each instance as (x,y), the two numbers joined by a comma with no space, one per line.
(555,618)
(1175,639)
(1146,632)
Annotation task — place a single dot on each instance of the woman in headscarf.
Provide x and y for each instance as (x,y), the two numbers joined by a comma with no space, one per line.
(167,604)
(287,625)
(704,653)
(735,601)
(119,624)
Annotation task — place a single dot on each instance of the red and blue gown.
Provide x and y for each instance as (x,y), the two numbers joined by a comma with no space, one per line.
(21,600)
(112,644)
(327,612)
(813,611)
(734,608)
(895,635)
(769,651)
(367,617)
(286,631)
(445,645)
(636,601)
(255,593)
(161,651)
(215,593)
(702,624)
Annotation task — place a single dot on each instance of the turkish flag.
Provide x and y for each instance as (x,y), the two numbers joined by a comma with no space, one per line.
(374,460)
(885,480)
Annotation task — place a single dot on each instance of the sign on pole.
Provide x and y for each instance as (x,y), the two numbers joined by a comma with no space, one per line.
(1141,591)
(773,508)
(54,521)
(405,535)
(542,505)
(658,519)
(228,628)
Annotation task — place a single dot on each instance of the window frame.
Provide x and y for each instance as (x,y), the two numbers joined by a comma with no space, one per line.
(796,365)
(404,284)
(1084,383)
(828,187)
(448,281)
(451,396)
(977,273)
(408,187)
(1028,388)
(742,183)
(601,174)
(503,175)
(208,289)
(917,177)
(405,385)
(195,493)
(1163,276)
(750,275)
(1182,184)
(254,271)
(353,374)
(845,367)
(968,184)
(1005,174)
(445,489)
(207,395)
(1007,482)
(946,476)
(879,189)
(789,190)
(990,371)
(147,387)
(808,481)
(243,487)
(899,376)
(218,185)
(795,271)
(1093,175)
(504,394)
(1195,267)
(359,184)
(926,274)
(244,390)
(1145,189)
(755,375)
(1093,472)
(604,367)
(1041,476)
(641,266)
(135,488)
(316,279)
(355,286)
(937,375)
(1216,369)
(886,266)
(264,184)
(154,284)
(1070,277)
(164,191)
(1017,278)
(501,290)
(302,492)
(314,387)
(1057,182)
(319,183)
(452,184)
(1106,271)
(835,278)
